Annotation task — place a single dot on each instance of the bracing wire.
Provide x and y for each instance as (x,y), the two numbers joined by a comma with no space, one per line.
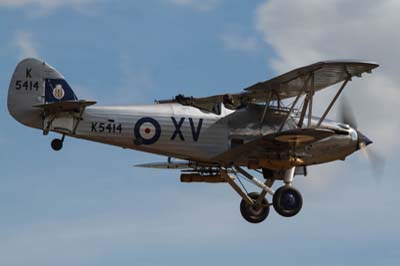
(240,181)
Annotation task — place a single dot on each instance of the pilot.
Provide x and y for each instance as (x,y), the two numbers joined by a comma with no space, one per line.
(228,102)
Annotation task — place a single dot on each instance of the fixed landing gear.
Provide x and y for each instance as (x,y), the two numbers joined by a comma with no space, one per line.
(254,207)
(287,201)
(57,144)
(256,212)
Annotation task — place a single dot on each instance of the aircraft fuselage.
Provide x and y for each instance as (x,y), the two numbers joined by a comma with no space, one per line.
(188,133)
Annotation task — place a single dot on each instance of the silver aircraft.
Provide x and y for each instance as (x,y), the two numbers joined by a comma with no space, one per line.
(267,128)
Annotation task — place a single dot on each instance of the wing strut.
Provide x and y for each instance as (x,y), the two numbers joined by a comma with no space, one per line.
(267,100)
(290,111)
(307,104)
(304,110)
(295,102)
(333,100)
(310,102)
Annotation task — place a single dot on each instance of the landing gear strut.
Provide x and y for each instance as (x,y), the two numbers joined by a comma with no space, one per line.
(254,207)
(57,144)
(287,200)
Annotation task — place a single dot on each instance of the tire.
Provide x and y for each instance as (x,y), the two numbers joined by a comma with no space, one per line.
(254,214)
(56,144)
(287,201)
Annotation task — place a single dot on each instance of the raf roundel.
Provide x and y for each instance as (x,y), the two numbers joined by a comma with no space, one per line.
(147,131)
(58,92)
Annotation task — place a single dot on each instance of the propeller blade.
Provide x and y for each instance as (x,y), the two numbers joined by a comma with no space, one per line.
(375,160)
(347,115)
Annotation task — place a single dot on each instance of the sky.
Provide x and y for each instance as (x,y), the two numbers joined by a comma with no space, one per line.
(88,205)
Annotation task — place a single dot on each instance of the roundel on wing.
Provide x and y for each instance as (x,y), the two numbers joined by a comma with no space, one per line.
(147,131)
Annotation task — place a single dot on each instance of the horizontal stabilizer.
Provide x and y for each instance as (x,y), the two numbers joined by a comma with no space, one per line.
(65,106)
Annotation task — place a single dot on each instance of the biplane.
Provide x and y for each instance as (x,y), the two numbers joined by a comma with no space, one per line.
(264,134)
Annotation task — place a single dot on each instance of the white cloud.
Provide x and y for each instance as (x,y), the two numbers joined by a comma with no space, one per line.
(24,41)
(235,41)
(306,31)
(46,5)
(201,5)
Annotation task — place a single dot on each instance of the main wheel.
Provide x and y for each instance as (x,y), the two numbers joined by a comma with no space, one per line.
(254,213)
(56,144)
(287,201)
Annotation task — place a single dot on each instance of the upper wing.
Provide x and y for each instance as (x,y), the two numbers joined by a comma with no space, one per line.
(325,74)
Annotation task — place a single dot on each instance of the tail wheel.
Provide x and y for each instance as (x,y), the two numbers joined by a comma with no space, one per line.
(287,201)
(255,213)
(56,144)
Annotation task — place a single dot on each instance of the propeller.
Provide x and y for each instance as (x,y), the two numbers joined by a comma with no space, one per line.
(346,114)
(376,161)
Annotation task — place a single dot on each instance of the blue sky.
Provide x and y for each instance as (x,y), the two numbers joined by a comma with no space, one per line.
(87,205)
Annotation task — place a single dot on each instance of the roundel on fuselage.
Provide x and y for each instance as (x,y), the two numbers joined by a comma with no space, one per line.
(147,131)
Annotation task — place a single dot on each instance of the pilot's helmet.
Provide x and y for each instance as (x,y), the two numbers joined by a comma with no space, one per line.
(227,99)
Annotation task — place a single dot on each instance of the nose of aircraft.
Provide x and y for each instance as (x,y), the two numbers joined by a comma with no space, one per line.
(363,140)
